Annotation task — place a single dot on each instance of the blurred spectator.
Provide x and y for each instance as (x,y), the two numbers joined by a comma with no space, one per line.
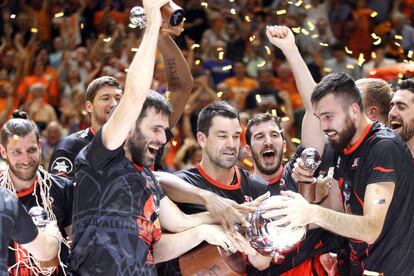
(378,60)
(361,28)
(240,85)
(51,137)
(255,60)
(40,111)
(401,27)
(341,63)
(219,66)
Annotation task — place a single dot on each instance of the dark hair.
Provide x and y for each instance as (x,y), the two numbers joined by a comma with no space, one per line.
(407,84)
(342,86)
(96,84)
(258,119)
(157,101)
(377,93)
(219,108)
(338,46)
(19,125)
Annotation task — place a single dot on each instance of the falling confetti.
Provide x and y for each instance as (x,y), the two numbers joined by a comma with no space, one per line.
(261,64)
(361,59)
(59,14)
(373,14)
(349,52)
(280,12)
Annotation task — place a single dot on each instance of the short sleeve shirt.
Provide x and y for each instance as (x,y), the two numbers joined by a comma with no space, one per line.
(15,223)
(115,214)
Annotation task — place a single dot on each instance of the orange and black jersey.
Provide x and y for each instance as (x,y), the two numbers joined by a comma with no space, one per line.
(380,156)
(62,161)
(61,196)
(242,190)
(305,259)
(115,214)
(15,223)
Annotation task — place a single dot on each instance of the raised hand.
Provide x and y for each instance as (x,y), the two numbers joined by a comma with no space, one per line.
(280,36)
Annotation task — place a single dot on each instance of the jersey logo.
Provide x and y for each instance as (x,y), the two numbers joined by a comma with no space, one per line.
(282,183)
(62,164)
(84,133)
(355,163)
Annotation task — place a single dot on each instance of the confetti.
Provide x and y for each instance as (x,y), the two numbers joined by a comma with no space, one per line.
(308,6)
(285,119)
(174,143)
(15,139)
(12,16)
(374,36)
(233,11)
(227,68)
(274,112)
(314,36)
(373,55)
(134,49)
(398,37)
(82,25)
(168,95)
(221,55)
(268,50)
(300,2)
(373,14)
(59,14)
(132,26)
(247,18)
(304,31)
(296,29)
(323,44)
(296,140)
(258,99)
(311,26)
(349,52)
(219,94)
(204,4)
(280,12)
(195,45)
(253,37)
(126,70)
(410,54)
(248,162)
(34,30)
(197,62)
(107,39)
(377,42)
(350,66)
(327,69)
(261,64)
(361,59)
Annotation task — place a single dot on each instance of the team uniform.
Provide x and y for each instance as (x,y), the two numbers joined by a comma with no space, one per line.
(115,214)
(63,157)
(61,196)
(379,156)
(305,259)
(15,223)
(241,190)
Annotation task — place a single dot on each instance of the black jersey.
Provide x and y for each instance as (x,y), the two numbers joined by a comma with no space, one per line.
(243,190)
(115,214)
(63,157)
(15,223)
(61,196)
(380,156)
(317,241)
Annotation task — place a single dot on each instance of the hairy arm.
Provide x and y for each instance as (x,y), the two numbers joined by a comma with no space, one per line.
(115,131)
(180,80)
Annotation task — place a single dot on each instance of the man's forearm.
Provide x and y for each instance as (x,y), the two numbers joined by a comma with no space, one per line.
(171,246)
(180,191)
(180,80)
(361,228)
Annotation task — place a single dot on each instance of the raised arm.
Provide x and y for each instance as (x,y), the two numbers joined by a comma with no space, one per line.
(180,81)
(283,38)
(138,80)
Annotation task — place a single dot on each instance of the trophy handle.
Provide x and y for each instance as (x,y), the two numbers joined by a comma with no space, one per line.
(172,12)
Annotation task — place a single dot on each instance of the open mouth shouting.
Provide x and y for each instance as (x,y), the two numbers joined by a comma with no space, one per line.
(395,124)
(269,156)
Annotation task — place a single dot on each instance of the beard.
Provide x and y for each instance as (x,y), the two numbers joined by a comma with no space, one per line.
(267,170)
(138,146)
(345,136)
(25,175)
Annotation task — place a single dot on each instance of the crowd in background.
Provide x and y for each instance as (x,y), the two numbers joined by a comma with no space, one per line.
(50,50)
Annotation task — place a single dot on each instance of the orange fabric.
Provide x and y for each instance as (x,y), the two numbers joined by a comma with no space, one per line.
(305,268)
(360,39)
(43,22)
(289,86)
(115,15)
(52,95)
(239,89)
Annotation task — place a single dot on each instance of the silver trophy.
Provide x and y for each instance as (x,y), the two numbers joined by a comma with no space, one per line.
(270,239)
(171,13)
(311,159)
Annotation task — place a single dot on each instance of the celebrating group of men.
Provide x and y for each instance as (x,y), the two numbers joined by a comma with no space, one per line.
(121,217)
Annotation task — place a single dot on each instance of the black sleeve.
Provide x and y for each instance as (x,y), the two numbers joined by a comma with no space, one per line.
(382,162)
(63,191)
(25,230)
(62,163)
(97,155)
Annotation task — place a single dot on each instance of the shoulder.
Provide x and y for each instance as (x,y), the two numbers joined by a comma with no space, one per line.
(188,174)
(74,140)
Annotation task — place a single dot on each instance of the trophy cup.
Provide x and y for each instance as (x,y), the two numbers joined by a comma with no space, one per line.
(41,220)
(311,159)
(270,239)
(170,12)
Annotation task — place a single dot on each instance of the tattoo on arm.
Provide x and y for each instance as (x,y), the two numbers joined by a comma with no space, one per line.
(172,69)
